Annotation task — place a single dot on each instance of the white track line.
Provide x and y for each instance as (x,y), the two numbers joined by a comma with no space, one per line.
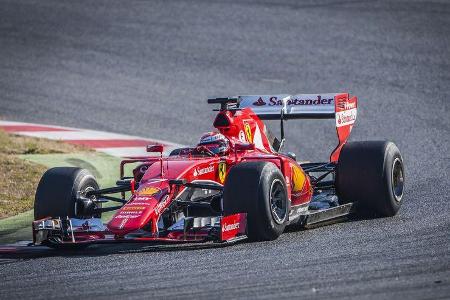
(75,135)
(85,134)
(130,152)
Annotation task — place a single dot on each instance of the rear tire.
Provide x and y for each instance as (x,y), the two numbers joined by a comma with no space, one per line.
(371,175)
(258,189)
(57,192)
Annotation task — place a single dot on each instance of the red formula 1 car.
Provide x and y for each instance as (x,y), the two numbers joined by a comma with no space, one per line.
(236,183)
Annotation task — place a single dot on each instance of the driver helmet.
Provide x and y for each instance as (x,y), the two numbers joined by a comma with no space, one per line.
(216,142)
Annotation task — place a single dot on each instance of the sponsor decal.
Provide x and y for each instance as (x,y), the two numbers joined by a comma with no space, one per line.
(122,224)
(132,212)
(274,101)
(228,227)
(139,203)
(259,102)
(248,132)
(296,210)
(127,216)
(130,208)
(141,200)
(202,171)
(222,171)
(346,117)
(298,180)
(161,205)
(149,191)
(242,136)
(346,105)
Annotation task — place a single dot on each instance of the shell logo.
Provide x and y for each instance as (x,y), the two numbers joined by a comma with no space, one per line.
(298,179)
(149,191)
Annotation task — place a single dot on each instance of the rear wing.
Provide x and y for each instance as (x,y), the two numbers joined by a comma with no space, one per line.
(338,106)
(302,106)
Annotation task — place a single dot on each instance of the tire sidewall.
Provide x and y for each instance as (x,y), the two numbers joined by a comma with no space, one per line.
(247,190)
(58,190)
(83,182)
(392,206)
(271,228)
(364,177)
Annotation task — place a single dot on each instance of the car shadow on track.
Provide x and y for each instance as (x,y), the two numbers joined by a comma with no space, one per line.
(12,253)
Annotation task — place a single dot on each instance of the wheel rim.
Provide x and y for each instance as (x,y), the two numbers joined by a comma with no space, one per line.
(86,190)
(278,201)
(397,179)
(83,193)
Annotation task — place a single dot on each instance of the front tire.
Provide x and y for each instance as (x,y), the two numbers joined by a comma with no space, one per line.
(258,189)
(58,189)
(371,175)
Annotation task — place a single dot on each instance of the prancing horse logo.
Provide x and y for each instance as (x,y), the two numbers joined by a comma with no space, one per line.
(222,171)
(248,132)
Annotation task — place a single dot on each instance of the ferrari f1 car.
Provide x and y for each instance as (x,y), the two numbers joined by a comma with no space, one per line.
(237,183)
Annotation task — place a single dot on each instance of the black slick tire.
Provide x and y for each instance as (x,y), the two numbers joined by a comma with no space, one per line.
(371,175)
(57,191)
(258,189)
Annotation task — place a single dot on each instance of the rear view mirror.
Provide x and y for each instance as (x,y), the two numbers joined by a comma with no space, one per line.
(155,148)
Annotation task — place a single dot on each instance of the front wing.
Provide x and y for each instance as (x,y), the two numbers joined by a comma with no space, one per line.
(72,231)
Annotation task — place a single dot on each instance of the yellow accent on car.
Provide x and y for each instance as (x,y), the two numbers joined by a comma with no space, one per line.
(298,179)
(248,132)
(148,191)
(222,171)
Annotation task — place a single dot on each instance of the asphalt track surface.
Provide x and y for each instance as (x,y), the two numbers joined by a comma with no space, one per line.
(146,67)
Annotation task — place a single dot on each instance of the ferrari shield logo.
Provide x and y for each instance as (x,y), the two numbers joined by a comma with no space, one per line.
(222,171)
(248,132)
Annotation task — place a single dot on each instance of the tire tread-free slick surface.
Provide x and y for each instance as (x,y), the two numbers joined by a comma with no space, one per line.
(364,176)
(57,191)
(247,190)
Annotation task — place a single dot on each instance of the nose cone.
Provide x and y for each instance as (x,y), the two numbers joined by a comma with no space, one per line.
(142,207)
(132,216)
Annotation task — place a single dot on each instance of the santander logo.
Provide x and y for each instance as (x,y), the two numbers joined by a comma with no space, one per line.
(228,227)
(274,101)
(206,170)
(346,117)
(259,102)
